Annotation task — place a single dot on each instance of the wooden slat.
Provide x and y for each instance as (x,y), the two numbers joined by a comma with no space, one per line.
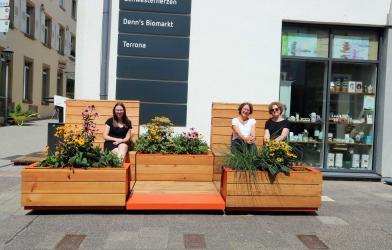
(174,177)
(234,106)
(229,131)
(296,177)
(74,187)
(100,120)
(225,139)
(70,175)
(78,200)
(174,187)
(226,122)
(151,159)
(77,110)
(274,201)
(250,189)
(228,113)
(100,103)
(174,169)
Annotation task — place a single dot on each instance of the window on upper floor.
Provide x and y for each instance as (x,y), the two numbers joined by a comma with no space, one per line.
(47,31)
(73,45)
(74,8)
(61,40)
(30,19)
(61,3)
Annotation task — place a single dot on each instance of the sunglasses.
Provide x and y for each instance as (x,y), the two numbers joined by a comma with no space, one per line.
(277,109)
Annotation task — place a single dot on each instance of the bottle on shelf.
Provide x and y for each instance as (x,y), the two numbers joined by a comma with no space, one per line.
(344,87)
(338,85)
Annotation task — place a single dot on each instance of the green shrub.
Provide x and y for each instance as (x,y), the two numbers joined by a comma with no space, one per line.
(19,116)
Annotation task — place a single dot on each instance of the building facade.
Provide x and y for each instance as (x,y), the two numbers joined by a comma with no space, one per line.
(329,62)
(42,37)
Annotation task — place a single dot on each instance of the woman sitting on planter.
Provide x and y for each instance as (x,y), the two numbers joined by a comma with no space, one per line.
(244,129)
(117,133)
(276,128)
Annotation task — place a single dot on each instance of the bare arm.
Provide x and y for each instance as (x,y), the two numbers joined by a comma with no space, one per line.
(267,135)
(252,137)
(283,136)
(236,129)
(106,136)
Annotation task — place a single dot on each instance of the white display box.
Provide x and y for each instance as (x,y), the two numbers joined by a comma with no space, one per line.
(338,160)
(331,160)
(356,160)
(365,161)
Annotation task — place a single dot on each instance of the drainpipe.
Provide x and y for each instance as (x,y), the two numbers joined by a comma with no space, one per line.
(107,7)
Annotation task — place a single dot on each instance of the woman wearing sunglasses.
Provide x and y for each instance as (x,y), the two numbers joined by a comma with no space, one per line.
(276,128)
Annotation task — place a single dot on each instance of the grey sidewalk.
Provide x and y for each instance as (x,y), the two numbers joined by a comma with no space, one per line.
(354,215)
(22,140)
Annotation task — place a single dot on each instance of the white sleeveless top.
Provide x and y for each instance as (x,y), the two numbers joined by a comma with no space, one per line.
(245,129)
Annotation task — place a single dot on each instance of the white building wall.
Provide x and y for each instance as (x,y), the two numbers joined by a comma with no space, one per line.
(88,47)
(234,47)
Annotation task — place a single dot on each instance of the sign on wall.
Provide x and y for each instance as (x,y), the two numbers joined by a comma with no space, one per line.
(153,57)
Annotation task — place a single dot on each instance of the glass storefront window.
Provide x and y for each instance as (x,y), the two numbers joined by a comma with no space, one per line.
(330,94)
(355,45)
(302,91)
(351,116)
(305,42)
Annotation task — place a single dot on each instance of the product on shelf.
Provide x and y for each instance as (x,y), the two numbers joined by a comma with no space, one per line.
(331,160)
(365,161)
(338,160)
(356,160)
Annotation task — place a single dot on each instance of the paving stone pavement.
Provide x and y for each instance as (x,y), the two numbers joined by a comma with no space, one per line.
(359,217)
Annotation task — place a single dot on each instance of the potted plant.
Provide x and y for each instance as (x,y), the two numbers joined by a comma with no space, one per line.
(163,156)
(77,174)
(267,179)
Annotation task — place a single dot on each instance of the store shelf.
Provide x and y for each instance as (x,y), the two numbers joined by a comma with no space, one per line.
(349,93)
(305,122)
(308,142)
(351,124)
(349,144)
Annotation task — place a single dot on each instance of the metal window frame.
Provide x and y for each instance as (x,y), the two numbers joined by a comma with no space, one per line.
(326,95)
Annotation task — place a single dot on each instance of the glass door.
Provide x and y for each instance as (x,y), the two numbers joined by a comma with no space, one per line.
(351,108)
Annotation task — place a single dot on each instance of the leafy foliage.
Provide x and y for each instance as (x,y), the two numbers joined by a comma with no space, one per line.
(19,116)
(76,147)
(274,157)
(190,142)
(159,139)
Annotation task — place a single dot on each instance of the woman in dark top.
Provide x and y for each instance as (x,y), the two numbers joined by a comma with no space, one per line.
(276,128)
(117,133)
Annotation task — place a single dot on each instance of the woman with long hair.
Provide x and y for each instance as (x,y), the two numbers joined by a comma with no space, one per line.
(117,132)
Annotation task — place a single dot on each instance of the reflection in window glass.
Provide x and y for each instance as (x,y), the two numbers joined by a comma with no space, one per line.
(304,42)
(355,45)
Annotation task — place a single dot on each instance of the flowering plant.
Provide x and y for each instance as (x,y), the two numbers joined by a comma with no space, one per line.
(190,142)
(76,149)
(274,157)
(277,156)
(159,139)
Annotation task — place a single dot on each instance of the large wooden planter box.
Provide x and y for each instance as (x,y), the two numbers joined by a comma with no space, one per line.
(170,167)
(301,191)
(47,188)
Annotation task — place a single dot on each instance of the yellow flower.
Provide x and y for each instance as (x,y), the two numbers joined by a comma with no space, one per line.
(279,159)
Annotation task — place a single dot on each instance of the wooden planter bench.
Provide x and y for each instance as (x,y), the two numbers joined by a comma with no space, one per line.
(49,188)
(301,191)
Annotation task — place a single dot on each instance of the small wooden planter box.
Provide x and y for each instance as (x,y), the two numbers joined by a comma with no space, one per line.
(170,167)
(301,191)
(48,188)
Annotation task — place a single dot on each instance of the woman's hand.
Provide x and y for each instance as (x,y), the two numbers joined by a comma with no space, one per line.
(250,140)
(266,138)
(118,141)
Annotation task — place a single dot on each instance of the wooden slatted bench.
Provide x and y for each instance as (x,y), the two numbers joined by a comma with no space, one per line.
(221,131)
(104,108)
(100,188)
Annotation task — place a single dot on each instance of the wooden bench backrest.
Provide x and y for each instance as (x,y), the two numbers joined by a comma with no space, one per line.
(104,108)
(221,131)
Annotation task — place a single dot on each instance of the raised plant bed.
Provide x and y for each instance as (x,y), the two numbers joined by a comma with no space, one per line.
(50,188)
(173,167)
(301,191)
